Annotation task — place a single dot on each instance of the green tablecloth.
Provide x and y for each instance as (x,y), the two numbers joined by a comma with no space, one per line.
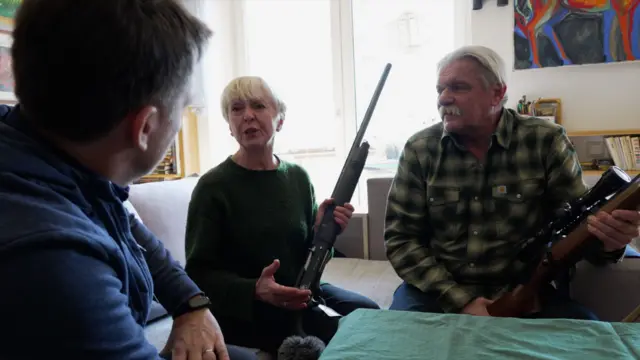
(386,334)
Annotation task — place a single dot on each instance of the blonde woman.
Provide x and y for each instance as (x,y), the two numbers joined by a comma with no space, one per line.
(251,221)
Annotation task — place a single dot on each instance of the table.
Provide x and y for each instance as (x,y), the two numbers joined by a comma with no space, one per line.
(387,334)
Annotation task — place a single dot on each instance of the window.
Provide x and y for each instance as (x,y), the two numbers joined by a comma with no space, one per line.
(412,35)
(325,57)
(289,44)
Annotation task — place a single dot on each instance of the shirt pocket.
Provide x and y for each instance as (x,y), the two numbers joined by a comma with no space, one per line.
(516,207)
(445,208)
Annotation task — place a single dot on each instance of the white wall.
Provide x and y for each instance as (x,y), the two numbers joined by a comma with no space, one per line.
(218,67)
(594,97)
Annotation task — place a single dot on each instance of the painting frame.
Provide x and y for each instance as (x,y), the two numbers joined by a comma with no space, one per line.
(549,109)
(7,84)
(8,10)
(545,33)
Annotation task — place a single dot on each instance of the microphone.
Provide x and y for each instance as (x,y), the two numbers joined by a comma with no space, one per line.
(301,348)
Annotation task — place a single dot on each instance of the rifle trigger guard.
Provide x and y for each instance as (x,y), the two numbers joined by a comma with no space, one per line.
(547,260)
(315,301)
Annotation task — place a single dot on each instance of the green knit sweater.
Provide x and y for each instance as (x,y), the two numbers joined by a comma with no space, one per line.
(239,221)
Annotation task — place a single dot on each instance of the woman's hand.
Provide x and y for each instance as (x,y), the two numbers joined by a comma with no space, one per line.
(341,214)
(269,291)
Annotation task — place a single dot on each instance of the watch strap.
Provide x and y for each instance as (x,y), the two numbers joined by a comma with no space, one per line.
(194,303)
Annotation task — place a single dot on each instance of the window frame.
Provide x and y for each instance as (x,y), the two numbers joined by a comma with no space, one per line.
(231,30)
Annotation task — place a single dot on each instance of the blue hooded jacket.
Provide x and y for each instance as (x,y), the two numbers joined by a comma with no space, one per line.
(74,283)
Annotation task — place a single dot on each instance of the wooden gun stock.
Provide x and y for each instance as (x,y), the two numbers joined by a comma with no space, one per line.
(563,254)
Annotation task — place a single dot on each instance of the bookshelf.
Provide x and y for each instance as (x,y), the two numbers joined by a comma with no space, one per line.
(599,149)
(182,158)
(599,172)
(603,132)
(171,167)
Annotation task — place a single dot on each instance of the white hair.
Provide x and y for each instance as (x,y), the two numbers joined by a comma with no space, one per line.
(492,64)
(247,88)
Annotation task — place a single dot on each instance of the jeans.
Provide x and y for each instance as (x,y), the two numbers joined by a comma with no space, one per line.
(554,304)
(269,334)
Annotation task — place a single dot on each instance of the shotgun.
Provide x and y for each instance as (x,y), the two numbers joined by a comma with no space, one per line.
(567,239)
(326,233)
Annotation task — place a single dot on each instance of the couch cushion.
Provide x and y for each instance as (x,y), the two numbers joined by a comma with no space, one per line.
(377,193)
(163,207)
(374,279)
(132,210)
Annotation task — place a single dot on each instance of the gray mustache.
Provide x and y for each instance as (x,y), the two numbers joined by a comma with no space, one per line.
(450,110)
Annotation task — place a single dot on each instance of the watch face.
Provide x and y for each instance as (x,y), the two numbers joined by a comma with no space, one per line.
(199,301)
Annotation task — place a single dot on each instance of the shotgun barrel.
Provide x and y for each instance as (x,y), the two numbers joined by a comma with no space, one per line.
(326,233)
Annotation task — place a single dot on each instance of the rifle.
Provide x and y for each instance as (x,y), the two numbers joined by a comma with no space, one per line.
(568,239)
(477,4)
(326,233)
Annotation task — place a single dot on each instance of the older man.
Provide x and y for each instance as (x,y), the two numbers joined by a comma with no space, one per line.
(102,86)
(470,189)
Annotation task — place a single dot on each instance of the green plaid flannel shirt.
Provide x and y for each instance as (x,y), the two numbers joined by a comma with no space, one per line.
(454,225)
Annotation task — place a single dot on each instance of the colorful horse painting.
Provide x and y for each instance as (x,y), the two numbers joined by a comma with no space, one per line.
(8,10)
(567,32)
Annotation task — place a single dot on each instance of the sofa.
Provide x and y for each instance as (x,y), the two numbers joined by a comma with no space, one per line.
(611,292)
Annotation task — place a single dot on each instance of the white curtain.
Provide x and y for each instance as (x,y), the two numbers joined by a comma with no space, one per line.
(218,66)
(196,7)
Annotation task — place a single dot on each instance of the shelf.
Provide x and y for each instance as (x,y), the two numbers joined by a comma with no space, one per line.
(599,172)
(162,176)
(604,132)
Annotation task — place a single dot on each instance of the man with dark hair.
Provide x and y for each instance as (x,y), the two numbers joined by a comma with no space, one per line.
(101,88)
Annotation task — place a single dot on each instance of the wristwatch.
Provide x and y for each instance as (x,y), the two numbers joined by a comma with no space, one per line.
(195,303)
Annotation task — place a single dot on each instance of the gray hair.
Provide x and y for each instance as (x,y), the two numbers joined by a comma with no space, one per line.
(492,64)
(249,88)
